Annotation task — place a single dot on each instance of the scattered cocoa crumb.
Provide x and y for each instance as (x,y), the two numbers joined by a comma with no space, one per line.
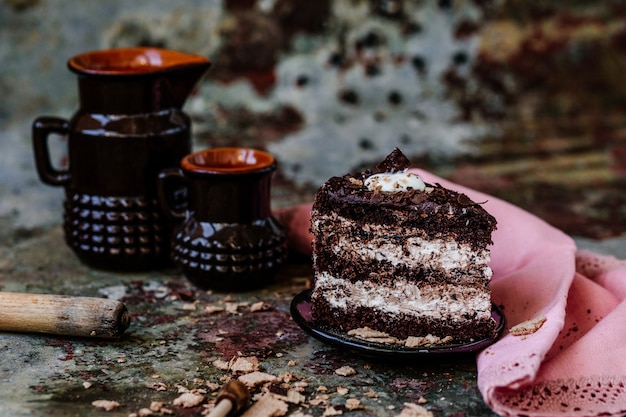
(156,406)
(414,410)
(528,327)
(144,412)
(260,306)
(158,386)
(245,365)
(188,399)
(371,335)
(428,340)
(300,385)
(256,378)
(286,377)
(222,365)
(345,371)
(106,405)
(233,308)
(213,309)
(294,397)
(319,399)
(353,404)
(371,394)
(267,406)
(212,386)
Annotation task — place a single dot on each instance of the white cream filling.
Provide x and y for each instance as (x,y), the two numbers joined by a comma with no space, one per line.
(395,181)
(403,297)
(413,252)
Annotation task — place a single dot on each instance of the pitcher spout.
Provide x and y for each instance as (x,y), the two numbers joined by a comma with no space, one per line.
(158,78)
(184,79)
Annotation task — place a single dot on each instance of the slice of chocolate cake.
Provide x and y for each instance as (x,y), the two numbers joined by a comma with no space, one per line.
(398,256)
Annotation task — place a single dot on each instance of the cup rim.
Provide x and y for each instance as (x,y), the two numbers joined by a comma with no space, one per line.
(206,160)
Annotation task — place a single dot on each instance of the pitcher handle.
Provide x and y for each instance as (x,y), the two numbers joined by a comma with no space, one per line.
(167,196)
(42,128)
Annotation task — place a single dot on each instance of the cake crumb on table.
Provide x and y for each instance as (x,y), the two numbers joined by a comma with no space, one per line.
(425,341)
(256,378)
(372,335)
(106,405)
(221,365)
(267,406)
(245,364)
(414,410)
(353,404)
(188,400)
(345,371)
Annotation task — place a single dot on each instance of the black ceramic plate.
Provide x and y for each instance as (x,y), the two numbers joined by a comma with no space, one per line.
(301,313)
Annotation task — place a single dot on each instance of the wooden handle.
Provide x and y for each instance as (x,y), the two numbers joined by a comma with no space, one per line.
(232,398)
(62,315)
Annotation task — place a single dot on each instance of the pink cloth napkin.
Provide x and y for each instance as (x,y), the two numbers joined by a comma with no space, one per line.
(566,355)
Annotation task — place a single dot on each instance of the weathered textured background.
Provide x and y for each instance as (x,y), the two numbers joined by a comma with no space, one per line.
(524,100)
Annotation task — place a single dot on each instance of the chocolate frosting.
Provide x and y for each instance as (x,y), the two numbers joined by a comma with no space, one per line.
(439,211)
(396,161)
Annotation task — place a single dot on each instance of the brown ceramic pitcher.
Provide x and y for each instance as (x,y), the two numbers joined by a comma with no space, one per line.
(227,238)
(128,127)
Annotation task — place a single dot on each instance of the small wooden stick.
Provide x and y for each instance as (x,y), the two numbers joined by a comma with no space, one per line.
(63,315)
(233,398)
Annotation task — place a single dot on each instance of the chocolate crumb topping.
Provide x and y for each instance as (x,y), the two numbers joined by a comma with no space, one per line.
(396,161)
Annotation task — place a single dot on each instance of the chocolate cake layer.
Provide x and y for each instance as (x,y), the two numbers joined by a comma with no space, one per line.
(463,329)
(430,300)
(440,213)
(355,253)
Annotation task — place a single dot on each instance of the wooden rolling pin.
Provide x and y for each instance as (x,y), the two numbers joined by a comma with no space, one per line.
(62,315)
(232,398)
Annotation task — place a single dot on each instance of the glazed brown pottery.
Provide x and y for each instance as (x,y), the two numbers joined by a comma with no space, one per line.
(227,238)
(128,127)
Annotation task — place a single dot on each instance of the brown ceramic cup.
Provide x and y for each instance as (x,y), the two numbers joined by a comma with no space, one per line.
(226,238)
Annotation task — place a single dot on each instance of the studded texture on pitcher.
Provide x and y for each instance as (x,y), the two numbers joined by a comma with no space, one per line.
(123,227)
